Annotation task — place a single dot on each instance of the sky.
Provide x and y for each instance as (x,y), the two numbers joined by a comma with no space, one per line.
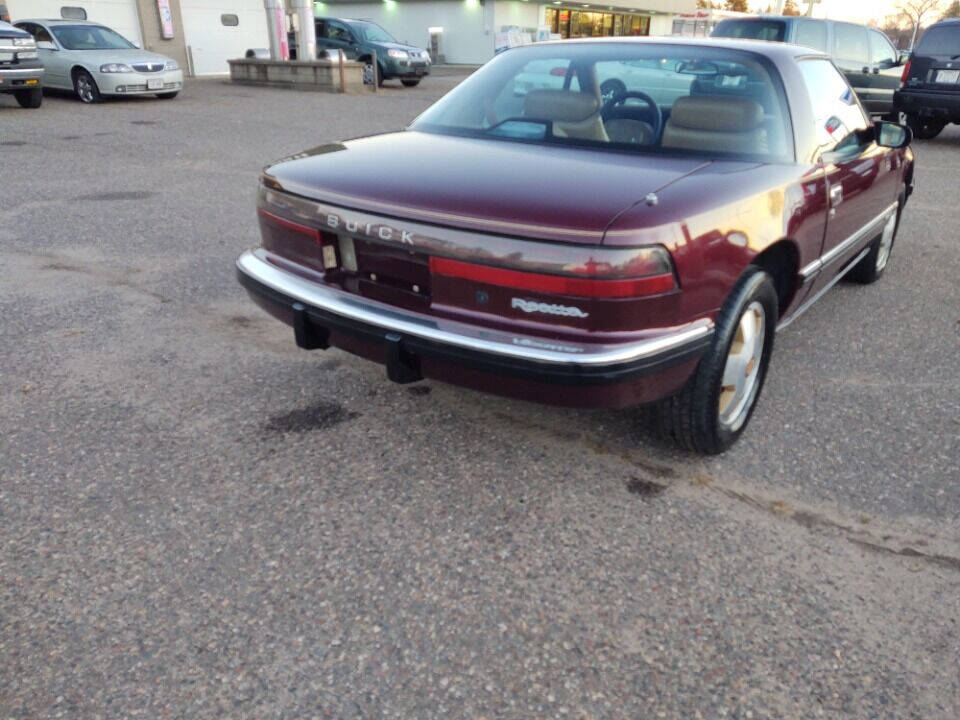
(861,10)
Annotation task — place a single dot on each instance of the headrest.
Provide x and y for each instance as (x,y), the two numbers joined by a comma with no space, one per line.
(717,114)
(561,105)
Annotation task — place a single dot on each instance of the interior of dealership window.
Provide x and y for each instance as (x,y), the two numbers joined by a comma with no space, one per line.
(202,35)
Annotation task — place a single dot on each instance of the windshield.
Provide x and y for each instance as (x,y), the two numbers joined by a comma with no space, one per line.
(772,30)
(90,37)
(372,32)
(636,96)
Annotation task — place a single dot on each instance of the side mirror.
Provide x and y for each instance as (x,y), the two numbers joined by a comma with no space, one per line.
(903,58)
(892,135)
(46,45)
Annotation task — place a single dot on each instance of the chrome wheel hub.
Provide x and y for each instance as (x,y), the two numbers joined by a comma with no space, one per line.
(886,241)
(741,374)
(368,76)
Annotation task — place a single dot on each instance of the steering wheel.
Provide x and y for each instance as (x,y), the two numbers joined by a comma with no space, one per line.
(610,109)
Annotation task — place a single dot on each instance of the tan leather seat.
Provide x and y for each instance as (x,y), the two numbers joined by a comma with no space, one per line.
(720,124)
(574,114)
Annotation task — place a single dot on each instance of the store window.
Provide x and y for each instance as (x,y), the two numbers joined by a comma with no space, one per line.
(581,23)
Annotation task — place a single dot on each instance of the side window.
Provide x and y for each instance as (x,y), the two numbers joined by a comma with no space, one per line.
(39,33)
(811,34)
(882,53)
(836,112)
(850,46)
(338,32)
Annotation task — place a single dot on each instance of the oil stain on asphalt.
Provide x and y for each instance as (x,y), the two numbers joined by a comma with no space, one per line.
(321,416)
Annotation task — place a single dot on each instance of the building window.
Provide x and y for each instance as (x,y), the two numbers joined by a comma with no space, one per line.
(230,20)
(576,23)
(73,13)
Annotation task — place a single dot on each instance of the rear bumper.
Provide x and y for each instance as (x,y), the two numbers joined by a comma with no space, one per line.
(413,346)
(928,103)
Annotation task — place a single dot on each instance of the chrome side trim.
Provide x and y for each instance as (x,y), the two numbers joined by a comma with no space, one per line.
(9,72)
(810,270)
(810,301)
(254,264)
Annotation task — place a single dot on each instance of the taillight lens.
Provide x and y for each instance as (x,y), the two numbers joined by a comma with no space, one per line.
(906,73)
(647,272)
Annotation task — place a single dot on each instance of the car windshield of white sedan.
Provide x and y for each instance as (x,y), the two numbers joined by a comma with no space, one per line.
(636,96)
(90,37)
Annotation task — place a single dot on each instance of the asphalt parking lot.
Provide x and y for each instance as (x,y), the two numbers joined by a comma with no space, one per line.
(199,520)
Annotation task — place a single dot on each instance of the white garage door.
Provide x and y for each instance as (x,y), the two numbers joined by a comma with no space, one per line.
(211,42)
(121,15)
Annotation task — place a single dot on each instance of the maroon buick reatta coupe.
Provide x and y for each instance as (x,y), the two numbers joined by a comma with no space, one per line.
(595,223)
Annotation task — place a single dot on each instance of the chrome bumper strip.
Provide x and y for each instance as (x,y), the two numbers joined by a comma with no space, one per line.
(254,264)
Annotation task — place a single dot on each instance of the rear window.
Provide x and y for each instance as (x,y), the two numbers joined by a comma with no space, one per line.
(773,30)
(626,97)
(941,40)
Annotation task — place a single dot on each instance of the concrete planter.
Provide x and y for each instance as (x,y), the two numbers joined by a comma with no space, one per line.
(319,75)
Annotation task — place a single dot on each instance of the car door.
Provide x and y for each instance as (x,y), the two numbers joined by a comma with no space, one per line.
(861,177)
(885,72)
(56,71)
(338,36)
(851,53)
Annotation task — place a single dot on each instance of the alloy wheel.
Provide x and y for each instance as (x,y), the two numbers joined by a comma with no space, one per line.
(886,241)
(85,88)
(740,384)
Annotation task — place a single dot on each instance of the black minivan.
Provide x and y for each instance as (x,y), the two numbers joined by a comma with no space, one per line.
(866,56)
(930,94)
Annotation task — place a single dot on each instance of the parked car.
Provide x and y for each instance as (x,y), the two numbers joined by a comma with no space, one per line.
(930,94)
(362,40)
(866,56)
(589,253)
(21,72)
(95,61)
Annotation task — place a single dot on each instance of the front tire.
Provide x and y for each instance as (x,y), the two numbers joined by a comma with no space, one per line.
(86,87)
(871,268)
(412,82)
(168,95)
(713,408)
(32,98)
(925,128)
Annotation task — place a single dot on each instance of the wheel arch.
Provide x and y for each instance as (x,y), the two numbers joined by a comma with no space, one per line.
(781,260)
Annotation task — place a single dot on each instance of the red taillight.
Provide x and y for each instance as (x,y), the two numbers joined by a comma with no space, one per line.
(554,284)
(289,224)
(559,71)
(906,73)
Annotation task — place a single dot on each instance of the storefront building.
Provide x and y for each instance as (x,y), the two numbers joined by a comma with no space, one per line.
(469,30)
(203,34)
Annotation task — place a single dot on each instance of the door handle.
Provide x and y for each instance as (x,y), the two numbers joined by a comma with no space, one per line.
(836,195)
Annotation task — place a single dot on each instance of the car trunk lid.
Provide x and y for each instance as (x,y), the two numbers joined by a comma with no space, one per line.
(558,194)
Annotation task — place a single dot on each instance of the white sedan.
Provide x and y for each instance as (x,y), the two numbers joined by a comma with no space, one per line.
(94,61)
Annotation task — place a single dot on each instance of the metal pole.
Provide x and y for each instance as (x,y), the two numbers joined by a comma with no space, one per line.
(343,82)
(307,30)
(277,29)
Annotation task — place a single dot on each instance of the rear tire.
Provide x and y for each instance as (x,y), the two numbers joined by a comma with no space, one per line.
(32,98)
(168,95)
(925,128)
(713,408)
(412,82)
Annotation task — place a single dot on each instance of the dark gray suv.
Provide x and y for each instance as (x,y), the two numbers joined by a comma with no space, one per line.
(866,56)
